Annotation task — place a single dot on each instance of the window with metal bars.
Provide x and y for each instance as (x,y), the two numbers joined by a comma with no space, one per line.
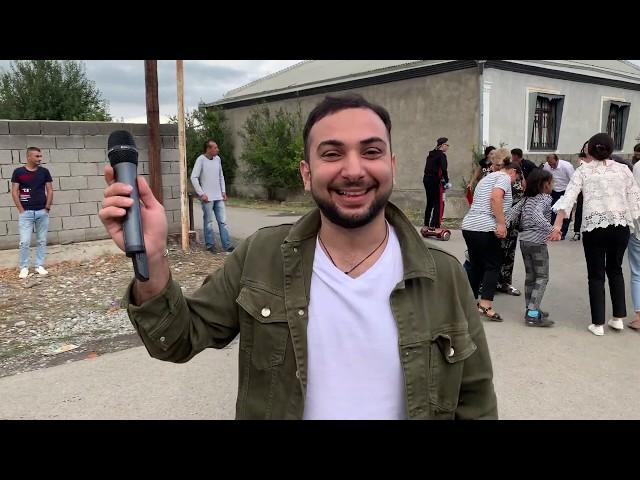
(544,134)
(616,124)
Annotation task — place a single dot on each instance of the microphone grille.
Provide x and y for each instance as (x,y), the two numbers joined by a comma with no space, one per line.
(120,137)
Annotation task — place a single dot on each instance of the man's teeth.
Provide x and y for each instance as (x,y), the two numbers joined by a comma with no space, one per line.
(352,194)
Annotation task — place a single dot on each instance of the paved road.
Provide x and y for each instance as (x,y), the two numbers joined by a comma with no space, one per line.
(558,373)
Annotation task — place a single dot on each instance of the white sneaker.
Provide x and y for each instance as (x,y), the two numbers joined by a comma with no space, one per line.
(24,273)
(616,324)
(41,271)
(596,329)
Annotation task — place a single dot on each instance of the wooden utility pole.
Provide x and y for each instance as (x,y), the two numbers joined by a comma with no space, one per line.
(153,122)
(182,150)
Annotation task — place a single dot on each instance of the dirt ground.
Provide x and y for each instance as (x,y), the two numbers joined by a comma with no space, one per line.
(42,318)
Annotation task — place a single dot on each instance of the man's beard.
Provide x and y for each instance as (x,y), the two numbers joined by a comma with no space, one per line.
(331,211)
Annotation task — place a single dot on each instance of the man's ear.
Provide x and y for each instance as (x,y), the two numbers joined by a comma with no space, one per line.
(305,173)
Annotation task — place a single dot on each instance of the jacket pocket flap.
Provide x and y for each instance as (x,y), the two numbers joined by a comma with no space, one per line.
(455,346)
(264,306)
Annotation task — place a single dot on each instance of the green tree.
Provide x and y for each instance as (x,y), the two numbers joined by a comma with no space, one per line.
(273,148)
(203,124)
(50,90)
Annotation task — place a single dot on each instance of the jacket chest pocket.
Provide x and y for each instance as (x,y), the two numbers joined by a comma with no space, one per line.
(448,351)
(268,330)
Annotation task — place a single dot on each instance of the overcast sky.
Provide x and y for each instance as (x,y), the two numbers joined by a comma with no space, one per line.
(122,82)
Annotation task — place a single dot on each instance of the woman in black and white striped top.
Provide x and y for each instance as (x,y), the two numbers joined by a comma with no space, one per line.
(482,228)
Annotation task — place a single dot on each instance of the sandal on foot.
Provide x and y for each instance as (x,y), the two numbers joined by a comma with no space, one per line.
(485,313)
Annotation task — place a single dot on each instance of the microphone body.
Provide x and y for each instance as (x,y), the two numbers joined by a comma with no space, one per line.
(123,157)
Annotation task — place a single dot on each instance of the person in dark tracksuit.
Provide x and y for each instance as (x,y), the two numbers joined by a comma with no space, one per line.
(435,177)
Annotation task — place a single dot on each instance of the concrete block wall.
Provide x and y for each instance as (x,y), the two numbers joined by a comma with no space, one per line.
(75,153)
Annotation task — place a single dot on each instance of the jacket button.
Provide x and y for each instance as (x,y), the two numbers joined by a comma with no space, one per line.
(266,312)
(301,312)
(298,374)
(295,249)
(451,352)
(162,339)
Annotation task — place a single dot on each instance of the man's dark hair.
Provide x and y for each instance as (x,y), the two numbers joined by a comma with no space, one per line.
(33,149)
(206,144)
(552,155)
(333,104)
(517,151)
(535,181)
(637,148)
(582,153)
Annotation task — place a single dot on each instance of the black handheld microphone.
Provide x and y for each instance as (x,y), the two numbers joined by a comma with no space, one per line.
(123,157)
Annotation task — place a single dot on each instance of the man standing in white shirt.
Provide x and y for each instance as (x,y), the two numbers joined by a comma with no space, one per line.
(208,180)
(562,172)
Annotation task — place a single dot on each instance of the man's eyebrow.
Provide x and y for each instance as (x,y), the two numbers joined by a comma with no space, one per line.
(371,140)
(330,142)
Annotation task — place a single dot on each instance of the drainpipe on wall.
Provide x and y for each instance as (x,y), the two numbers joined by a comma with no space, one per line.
(481,64)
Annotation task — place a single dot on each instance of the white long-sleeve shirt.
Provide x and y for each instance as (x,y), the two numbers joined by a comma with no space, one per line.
(611,195)
(561,174)
(207,177)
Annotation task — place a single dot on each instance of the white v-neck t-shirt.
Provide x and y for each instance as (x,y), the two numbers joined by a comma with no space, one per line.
(354,369)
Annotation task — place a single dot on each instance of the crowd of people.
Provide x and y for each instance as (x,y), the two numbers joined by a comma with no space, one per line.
(513,199)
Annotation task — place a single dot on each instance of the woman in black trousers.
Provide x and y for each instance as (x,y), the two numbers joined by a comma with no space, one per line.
(611,209)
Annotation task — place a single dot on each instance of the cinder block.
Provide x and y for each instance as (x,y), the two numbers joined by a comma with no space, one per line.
(169,129)
(96,182)
(3,228)
(4,128)
(7,171)
(170,180)
(143,156)
(94,221)
(83,169)
(59,209)
(94,195)
(167,193)
(96,141)
(52,238)
(143,168)
(139,129)
(63,156)
(41,141)
(9,241)
(71,236)
(70,223)
(53,127)
(13,142)
(55,183)
(66,196)
(88,208)
(97,233)
(5,185)
(83,128)
(12,227)
(172,204)
(168,142)
(6,200)
(6,158)
(142,142)
(59,169)
(73,183)
(165,167)
(5,214)
(170,155)
(55,224)
(70,141)
(97,155)
(24,127)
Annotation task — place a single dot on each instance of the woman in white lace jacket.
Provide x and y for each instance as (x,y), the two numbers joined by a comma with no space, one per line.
(611,210)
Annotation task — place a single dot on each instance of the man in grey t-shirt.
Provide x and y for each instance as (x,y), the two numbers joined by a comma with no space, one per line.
(208,180)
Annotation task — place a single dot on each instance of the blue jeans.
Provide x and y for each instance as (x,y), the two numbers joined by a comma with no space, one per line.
(26,221)
(634,265)
(215,207)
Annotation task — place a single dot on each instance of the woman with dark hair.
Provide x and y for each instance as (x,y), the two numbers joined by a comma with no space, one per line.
(483,228)
(533,219)
(483,169)
(611,210)
(577,216)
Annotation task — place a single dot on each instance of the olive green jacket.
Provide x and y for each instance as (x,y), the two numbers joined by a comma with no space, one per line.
(262,293)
